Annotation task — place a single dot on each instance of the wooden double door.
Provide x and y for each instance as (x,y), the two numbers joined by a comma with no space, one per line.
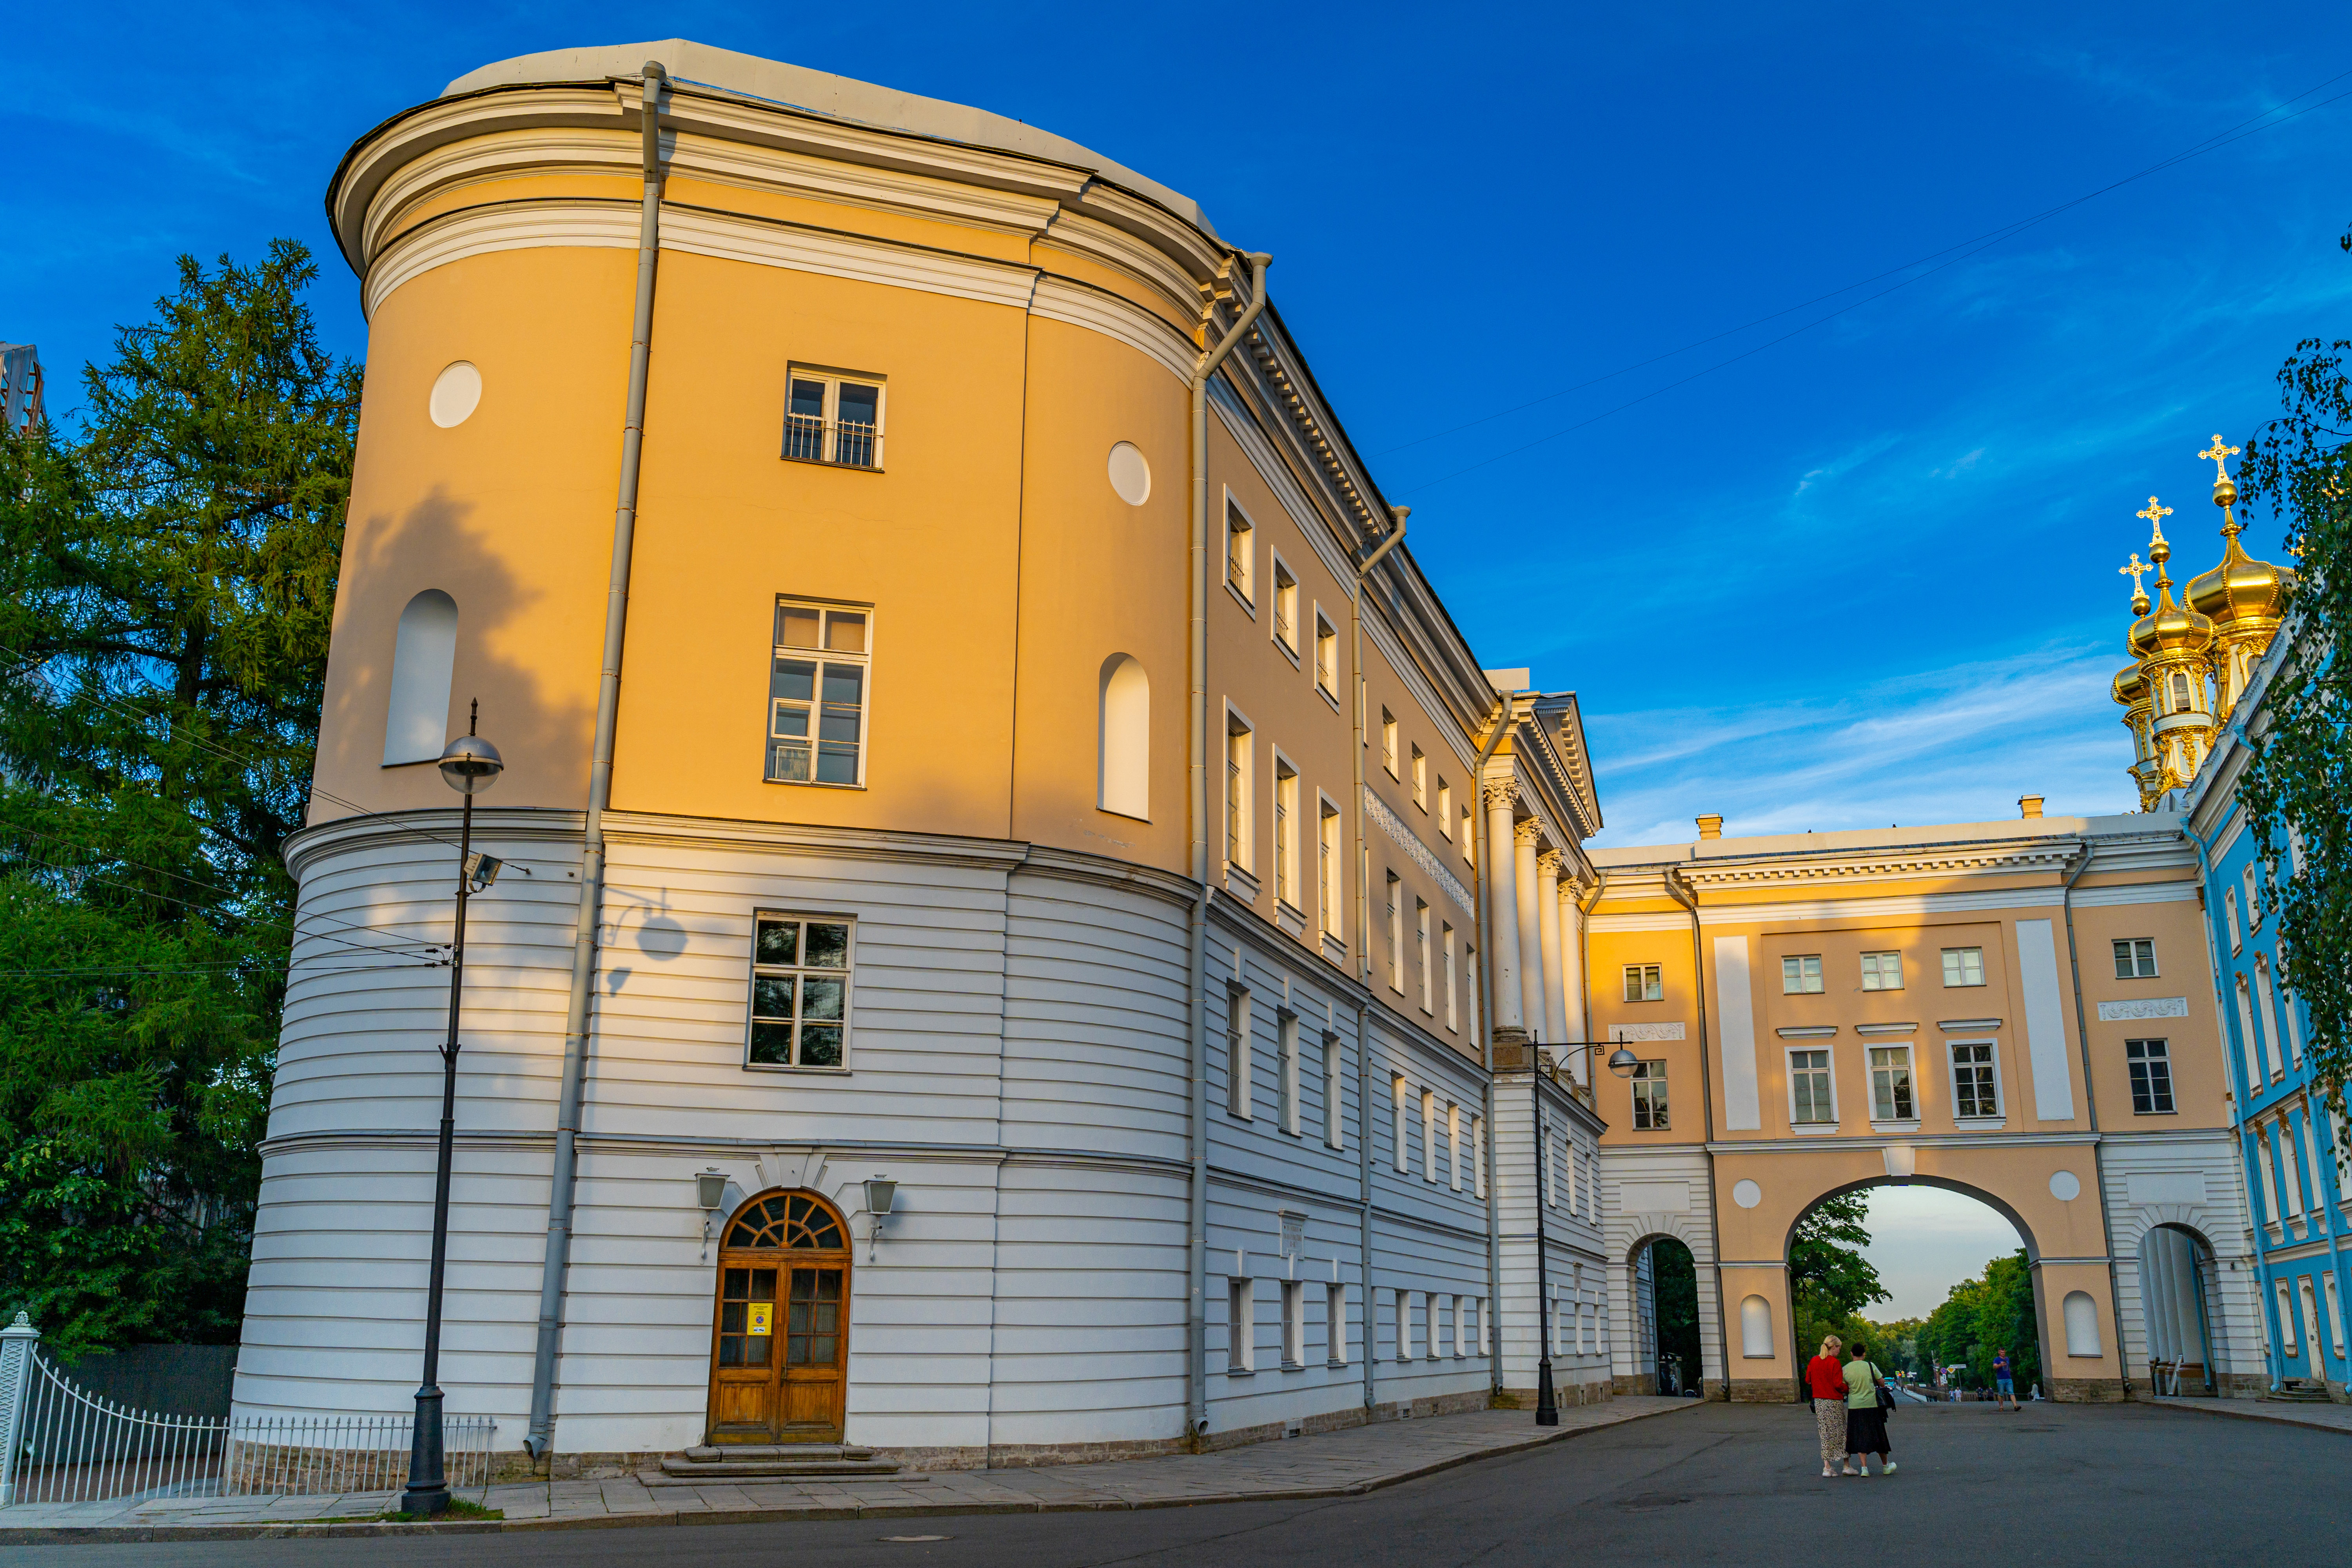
(779,1338)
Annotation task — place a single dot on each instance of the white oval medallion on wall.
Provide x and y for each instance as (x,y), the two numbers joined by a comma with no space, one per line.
(457,393)
(2066,1186)
(1747,1195)
(1131,476)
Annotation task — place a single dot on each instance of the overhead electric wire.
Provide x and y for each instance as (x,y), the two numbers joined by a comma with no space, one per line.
(1967,249)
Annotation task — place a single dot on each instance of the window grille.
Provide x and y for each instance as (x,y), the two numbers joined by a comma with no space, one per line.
(2149,1063)
(1964,966)
(1800,975)
(1975,1091)
(833,419)
(800,991)
(1811,1100)
(817,688)
(1890,1084)
(1649,1097)
(2134,959)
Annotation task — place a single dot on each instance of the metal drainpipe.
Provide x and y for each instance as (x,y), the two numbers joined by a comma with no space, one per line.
(1197,742)
(1584,909)
(1364,1216)
(1677,891)
(1496,728)
(1363,738)
(2091,1104)
(541,1438)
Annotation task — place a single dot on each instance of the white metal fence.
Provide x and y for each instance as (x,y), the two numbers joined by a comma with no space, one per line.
(60,1442)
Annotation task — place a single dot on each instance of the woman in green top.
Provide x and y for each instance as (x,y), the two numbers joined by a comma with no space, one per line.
(1865,1423)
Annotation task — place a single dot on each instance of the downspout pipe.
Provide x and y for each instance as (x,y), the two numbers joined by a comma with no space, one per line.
(2091,1104)
(1689,898)
(1364,1214)
(541,1438)
(1196,1313)
(1364,570)
(1496,728)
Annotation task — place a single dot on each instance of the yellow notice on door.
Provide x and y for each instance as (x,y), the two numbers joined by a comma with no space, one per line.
(761,1316)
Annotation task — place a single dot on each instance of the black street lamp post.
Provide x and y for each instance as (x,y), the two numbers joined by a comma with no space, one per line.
(471,765)
(1621,1062)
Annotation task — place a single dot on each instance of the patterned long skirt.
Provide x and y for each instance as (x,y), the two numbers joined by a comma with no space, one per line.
(1830,1416)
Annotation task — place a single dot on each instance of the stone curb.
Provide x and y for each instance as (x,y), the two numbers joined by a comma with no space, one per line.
(2221,1407)
(58,1535)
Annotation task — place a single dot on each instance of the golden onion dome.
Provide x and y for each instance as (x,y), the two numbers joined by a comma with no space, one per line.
(2171,628)
(2241,589)
(2130,687)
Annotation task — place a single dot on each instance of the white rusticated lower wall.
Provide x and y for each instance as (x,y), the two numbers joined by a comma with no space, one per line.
(1659,1173)
(2189,1180)
(1575,1269)
(1017,1064)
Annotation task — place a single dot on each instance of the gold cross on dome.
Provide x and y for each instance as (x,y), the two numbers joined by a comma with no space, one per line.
(2135,571)
(2217,452)
(2156,515)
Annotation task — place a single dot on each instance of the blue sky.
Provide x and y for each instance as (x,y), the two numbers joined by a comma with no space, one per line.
(1866,575)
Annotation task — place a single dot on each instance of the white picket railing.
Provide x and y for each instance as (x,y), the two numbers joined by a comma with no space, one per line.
(60,1442)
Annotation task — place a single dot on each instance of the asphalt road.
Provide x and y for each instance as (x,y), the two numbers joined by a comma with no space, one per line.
(1718,1484)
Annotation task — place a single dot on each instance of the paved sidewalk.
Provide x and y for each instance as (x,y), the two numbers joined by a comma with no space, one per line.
(1335,1463)
(2335,1418)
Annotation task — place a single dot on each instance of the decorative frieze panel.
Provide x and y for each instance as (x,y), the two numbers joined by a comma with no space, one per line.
(2144,1008)
(1417,852)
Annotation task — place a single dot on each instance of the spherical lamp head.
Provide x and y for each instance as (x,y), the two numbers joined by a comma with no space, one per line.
(471,765)
(1622,1062)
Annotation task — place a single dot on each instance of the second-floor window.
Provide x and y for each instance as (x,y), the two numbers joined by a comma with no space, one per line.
(1890,1084)
(835,417)
(1881,972)
(2149,1062)
(1240,569)
(816,693)
(1420,779)
(1976,1089)
(1445,809)
(1649,1097)
(1285,832)
(1811,1100)
(1389,741)
(1327,657)
(2134,959)
(1286,607)
(1964,966)
(1238,791)
(1800,975)
(800,992)
(1327,864)
(1644,983)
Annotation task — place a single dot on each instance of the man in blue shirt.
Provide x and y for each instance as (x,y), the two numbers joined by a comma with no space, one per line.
(2004,1381)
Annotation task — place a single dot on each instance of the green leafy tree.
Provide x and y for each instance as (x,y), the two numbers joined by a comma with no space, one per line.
(1829,1281)
(169,579)
(1992,1312)
(1673,1274)
(2299,775)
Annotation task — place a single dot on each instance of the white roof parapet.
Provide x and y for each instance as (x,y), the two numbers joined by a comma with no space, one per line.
(819,92)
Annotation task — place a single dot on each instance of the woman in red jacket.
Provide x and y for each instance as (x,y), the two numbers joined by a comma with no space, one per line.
(1825,1379)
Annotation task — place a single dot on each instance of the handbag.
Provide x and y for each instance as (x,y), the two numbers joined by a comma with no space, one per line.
(1885,1390)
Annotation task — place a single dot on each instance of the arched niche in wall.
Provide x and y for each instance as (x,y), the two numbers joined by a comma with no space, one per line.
(1123,760)
(2082,1315)
(424,660)
(1756,1328)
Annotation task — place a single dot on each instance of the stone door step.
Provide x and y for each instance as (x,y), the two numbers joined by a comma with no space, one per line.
(782,1461)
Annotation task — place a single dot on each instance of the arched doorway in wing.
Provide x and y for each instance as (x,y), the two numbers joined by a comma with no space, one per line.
(780,1332)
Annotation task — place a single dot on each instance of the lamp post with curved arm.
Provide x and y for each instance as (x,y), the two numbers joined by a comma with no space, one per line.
(1621,1062)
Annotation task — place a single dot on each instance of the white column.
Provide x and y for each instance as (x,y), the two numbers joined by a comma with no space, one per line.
(1555,979)
(1531,980)
(1503,908)
(1571,971)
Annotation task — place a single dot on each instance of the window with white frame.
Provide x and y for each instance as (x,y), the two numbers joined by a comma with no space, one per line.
(1812,1092)
(1389,741)
(1286,1034)
(1331,1134)
(1294,1323)
(1429,1136)
(2229,911)
(1445,809)
(1890,1084)
(1976,1080)
(1327,864)
(1800,975)
(2135,958)
(1644,983)
(1335,1324)
(1241,1326)
(1286,608)
(2252,1041)
(800,991)
(1398,1092)
(1238,749)
(1470,986)
(1396,933)
(1453,1146)
(834,416)
(2269,1175)
(1964,966)
(1649,1085)
(1286,831)
(1881,972)
(1326,657)
(1550,1158)
(1461,1329)
(1568,1168)
(2253,900)
(1453,1017)
(1469,838)
(1241,554)
(1241,1051)
(2268,996)
(2290,1166)
(817,682)
(1420,779)
(1422,955)
(1478,1154)
(2149,1063)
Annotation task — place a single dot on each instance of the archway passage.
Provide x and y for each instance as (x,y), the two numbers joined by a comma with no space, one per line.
(2178,1304)
(1670,1314)
(780,1337)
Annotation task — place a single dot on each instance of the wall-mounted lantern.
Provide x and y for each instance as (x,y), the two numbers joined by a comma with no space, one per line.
(881,1194)
(711,1192)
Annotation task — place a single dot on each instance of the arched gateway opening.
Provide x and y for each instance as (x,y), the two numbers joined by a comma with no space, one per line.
(2179,1301)
(1665,1315)
(780,1337)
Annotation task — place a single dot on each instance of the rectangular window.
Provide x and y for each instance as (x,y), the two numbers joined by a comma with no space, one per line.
(1326,657)
(1453,1003)
(1404,1158)
(1396,933)
(1881,972)
(2253,902)
(1643,983)
(834,416)
(1241,1327)
(1422,954)
(1890,1084)
(1420,779)
(1811,1096)
(1335,1324)
(1285,832)
(1331,1088)
(1445,809)
(1550,1158)
(1800,975)
(1469,838)
(1478,1154)
(1286,1042)
(1241,1069)
(1461,1337)
(1964,966)
(2230,907)
(1238,791)
(1328,865)
(2136,959)
(1389,741)
(1294,1323)
(1976,1090)
(1429,1136)
(1286,608)
(2149,1062)
(1649,1097)
(1453,1146)
(816,693)
(800,991)
(1241,570)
